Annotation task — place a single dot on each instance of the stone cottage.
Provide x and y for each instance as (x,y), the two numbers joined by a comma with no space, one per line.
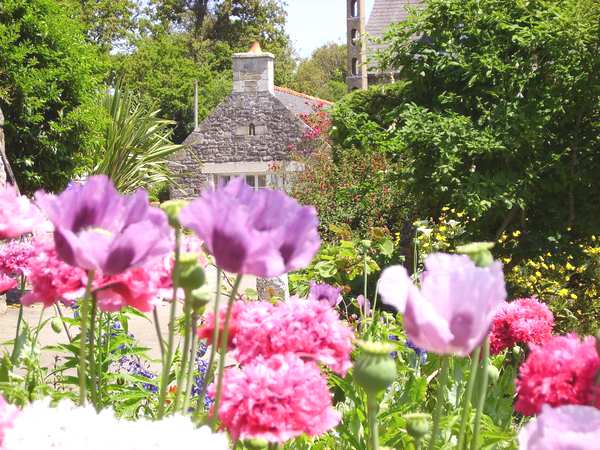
(250,133)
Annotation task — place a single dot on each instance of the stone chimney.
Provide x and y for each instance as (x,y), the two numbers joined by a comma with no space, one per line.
(253,71)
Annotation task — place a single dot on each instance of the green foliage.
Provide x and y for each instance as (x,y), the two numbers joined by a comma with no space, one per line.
(49,80)
(323,75)
(136,146)
(494,114)
(162,70)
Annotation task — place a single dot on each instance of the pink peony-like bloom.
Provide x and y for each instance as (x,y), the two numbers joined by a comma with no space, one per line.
(51,279)
(207,329)
(8,414)
(6,283)
(134,287)
(452,311)
(562,371)
(17,214)
(309,328)
(264,233)
(570,427)
(525,320)
(15,256)
(276,399)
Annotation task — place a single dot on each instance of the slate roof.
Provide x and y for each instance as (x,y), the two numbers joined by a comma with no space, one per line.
(385,13)
(297,102)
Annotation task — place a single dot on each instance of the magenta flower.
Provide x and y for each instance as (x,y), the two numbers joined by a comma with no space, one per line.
(276,399)
(263,233)
(96,228)
(6,283)
(17,215)
(325,292)
(571,427)
(452,311)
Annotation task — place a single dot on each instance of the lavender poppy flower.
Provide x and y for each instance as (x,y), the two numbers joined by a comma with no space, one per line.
(452,311)
(569,427)
(96,228)
(263,233)
(326,292)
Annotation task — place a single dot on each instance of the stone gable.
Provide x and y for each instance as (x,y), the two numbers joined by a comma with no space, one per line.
(226,137)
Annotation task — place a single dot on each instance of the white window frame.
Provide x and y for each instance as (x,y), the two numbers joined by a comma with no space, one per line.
(215,178)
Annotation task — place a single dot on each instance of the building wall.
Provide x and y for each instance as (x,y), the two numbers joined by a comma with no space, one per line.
(224,138)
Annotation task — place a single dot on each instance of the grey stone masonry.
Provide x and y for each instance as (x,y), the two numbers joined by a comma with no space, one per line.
(247,126)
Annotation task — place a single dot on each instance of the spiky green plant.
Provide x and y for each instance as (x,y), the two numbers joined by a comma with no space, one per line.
(136,145)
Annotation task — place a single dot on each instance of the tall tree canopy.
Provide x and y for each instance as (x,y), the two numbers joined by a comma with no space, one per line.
(324,73)
(50,77)
(497,113)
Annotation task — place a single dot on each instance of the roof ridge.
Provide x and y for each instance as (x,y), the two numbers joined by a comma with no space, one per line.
(300,94)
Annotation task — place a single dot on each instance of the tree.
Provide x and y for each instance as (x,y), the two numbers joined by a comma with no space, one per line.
(49,80)
(162,70)
(323,75)
(497,113)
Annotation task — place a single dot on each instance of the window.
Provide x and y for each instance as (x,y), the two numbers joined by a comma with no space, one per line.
(354,8)
(257,181)
(354,66)
(354,36)
(252,130)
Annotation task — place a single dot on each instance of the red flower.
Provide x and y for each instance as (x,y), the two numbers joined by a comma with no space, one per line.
(525,320)
(562,371)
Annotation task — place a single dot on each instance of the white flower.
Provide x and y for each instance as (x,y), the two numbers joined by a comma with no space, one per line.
(68,427)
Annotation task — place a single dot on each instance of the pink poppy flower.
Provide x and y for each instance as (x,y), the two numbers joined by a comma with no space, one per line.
(452,311)
(7,283)
(570,427)
(17,214)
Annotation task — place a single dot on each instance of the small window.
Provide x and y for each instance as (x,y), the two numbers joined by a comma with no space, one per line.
(261,181)
(354,66)
(354,36)
(221,180)
(252,130)
(354,8)
(251,180)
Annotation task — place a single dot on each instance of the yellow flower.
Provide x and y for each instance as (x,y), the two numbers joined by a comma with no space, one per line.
(569,266)
(574,296)
(516,233)
(563,292)
(443,228)
(445,208)
(460,214)
(538,274)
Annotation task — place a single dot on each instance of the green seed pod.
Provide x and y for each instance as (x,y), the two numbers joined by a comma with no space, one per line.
(479,252)
(191,275)
(374,370)
(417,425)
(517,350)
(256,444)
(493,374)
(200,298)
(172,208)
(56,325)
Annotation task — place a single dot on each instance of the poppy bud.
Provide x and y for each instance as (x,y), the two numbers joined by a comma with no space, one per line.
(374,369)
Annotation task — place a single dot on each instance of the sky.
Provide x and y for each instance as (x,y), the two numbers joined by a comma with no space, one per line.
(312,23)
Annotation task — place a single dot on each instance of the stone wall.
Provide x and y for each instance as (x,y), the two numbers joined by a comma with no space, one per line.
(224,137)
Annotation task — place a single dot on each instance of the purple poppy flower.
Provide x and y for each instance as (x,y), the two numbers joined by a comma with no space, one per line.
(569,427)
(326,292)
(452,311)
(263,233)
(96,228)
(364,304)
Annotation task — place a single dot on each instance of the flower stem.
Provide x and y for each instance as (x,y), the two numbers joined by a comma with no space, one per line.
(83,340)
(223,349)
(93,374)
(13,356)
(191,365)
(466,410)
(161,342)
(62,320)
(213,347)
(185,354)
(372,408)
(437,412)
(167,361)
(482,394)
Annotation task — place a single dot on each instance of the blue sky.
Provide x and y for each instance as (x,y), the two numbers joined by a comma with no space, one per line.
(312,23)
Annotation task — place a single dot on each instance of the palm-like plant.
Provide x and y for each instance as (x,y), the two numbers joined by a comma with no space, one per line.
(137,144)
